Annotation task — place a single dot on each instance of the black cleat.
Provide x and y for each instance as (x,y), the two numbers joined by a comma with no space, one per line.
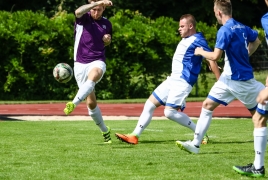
(249,170)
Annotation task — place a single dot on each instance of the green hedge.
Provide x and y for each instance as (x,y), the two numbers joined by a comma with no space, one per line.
(138,59)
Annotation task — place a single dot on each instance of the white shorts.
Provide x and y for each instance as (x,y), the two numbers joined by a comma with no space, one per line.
(81,71)
(226,90)
(173,92)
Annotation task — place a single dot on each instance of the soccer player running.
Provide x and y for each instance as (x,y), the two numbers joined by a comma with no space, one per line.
(236,81)
(260,121)
(92,33)
(172,92)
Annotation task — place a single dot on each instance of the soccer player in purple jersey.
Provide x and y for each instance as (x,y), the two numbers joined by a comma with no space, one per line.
(236,82)
(173,92)
(92,33)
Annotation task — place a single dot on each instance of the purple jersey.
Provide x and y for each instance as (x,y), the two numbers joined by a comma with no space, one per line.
(88,33)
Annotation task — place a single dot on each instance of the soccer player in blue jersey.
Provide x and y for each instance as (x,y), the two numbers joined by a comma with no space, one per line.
(92,33)
(238,42)
(264,22)
(175,89)
(259,119)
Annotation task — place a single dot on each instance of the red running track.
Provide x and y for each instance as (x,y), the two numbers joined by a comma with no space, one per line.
(234,109)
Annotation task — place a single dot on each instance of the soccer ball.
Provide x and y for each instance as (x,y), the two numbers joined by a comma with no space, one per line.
(63,72)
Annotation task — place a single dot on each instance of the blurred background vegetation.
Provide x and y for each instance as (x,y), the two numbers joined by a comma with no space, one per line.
(36,35)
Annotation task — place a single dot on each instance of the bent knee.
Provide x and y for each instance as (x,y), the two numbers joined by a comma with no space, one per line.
(169,113)
(91,104)
(209,104)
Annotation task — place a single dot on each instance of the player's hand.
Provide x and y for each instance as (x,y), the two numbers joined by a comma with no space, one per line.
(263,96)
(107,3)
(107,39)
(198,51)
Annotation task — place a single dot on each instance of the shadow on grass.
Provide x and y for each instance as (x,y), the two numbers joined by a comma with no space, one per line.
(4,118)
(231,142)
(156,142)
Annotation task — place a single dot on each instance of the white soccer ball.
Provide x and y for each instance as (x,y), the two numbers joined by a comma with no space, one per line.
(63,72)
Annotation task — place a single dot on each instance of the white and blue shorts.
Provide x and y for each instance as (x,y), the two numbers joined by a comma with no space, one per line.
(173,92)
(81,71)
(226,90)
(262,109)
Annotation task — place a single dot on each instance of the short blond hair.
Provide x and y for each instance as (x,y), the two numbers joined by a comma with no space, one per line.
(224,5)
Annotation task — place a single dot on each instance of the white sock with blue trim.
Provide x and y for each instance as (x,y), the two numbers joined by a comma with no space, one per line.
(260,142)
(145,117)
(202,126)
(84,91)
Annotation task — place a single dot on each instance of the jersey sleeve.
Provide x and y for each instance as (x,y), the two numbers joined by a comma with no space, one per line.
(264,22)
(252,34)
(223,38)
(204,45)
(201,42)
(82,20)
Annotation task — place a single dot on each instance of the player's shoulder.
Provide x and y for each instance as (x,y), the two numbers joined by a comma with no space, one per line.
(232,25)
(199,37)
(84,16)
(106,20)
(265,16)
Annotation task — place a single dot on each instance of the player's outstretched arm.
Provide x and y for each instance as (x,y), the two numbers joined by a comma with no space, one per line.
(86,8)
(213,56)
(266,1)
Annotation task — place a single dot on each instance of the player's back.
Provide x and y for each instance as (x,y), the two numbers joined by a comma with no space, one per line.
(234,37)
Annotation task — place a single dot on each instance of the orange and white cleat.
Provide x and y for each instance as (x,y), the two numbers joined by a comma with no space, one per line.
(127,138)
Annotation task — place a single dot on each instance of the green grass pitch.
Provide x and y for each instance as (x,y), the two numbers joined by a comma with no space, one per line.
(63,150)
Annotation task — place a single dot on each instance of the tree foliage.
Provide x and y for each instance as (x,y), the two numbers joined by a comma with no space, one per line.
(32,45)
(138,59)
(246,11)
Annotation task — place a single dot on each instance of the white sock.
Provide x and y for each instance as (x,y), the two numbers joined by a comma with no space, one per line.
(180,118)
(84,91)
(97,117)
(202,126)
(260,141)
(145,117)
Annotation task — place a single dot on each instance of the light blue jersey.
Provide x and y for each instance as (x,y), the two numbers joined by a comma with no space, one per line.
(234,37)
(185,64)
(264,22)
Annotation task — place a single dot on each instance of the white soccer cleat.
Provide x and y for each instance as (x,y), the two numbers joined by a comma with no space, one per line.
(187,146)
